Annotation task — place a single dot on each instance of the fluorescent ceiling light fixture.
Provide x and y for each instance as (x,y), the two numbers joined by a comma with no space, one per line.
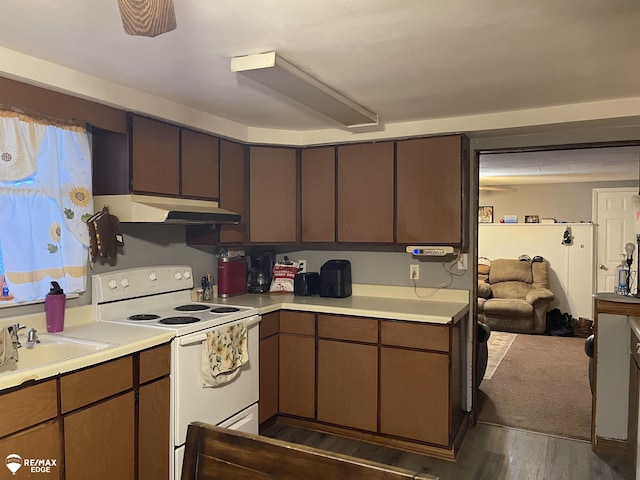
(273,71)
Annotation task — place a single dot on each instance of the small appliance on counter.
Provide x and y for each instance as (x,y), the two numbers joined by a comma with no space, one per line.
(232,276)
(260,273)
(306,284)
(335,279)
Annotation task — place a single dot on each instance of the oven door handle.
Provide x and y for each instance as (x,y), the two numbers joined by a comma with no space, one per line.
(201,337)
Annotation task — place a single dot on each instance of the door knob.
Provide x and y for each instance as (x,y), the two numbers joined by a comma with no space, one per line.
(602,267)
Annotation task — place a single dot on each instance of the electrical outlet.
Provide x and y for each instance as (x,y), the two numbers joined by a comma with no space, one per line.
(414,271)
(302,266)
(462,262)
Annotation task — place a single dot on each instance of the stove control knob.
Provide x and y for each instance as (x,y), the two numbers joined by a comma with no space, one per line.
(124,282)
(178,276)
(187,275)
(153,277)
(112,284)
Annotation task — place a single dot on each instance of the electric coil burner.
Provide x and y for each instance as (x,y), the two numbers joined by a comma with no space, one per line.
(178,320)
(224,309)
(193,307)
(141,317)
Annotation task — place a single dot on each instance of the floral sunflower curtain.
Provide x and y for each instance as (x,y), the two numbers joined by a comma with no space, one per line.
(45,198)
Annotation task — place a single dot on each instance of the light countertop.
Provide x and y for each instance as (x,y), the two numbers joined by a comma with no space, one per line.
(393,303)
(79,324)
(392,309)
(614,297)
(386,302)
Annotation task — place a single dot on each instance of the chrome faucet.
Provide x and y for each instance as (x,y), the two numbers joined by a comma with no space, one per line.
(32,337)
(13,331)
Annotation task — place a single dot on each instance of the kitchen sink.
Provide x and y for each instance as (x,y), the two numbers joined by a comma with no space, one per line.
(55,348)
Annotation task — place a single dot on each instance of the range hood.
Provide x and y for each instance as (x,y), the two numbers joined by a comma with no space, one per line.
(176,211)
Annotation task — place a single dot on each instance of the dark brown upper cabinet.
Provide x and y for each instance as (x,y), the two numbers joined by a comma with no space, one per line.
(432,190)
(273,195)
(200,164)
(365,193)
(233,175)
(155,156)
(318,194)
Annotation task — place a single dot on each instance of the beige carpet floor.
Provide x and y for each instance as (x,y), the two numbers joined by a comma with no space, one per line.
(541,385)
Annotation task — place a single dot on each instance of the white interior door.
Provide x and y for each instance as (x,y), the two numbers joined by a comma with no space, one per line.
(614,214)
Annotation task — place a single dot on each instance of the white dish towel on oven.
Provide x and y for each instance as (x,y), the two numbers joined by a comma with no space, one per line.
(224,352)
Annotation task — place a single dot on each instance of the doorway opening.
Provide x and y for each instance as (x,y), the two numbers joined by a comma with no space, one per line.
(535,195)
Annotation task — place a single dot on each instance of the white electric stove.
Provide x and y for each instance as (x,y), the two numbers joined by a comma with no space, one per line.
(159,297)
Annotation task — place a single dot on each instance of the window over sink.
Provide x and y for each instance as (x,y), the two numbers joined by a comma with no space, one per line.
(45,199)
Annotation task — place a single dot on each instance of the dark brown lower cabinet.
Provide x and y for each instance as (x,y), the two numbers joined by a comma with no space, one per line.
(36,443)
(94,435)
(268,403)
(99,440)
(414,395)
(297,375)
(348,384)
(154,415)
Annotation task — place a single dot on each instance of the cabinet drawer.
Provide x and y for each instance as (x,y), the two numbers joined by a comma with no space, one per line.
(269,325)
(88,386)
(348,328)
(28,406)
(415,335)
(155,363)
(297,322)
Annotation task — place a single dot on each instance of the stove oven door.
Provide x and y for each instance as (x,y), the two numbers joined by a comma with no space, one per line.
(213,405)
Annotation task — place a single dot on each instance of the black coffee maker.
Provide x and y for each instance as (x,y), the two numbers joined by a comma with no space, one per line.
(259,276)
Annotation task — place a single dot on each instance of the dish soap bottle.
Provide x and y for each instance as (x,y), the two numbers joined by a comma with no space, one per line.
(54,305)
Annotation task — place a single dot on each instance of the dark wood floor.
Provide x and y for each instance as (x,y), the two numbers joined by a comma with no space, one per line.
(489,452)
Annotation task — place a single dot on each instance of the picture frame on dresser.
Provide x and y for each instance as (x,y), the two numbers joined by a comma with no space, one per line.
(485,214)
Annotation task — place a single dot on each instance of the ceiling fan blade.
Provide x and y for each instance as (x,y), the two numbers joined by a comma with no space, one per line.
(148,18)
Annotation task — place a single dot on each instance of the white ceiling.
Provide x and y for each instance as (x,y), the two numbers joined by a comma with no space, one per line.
(561,166)
(406,60)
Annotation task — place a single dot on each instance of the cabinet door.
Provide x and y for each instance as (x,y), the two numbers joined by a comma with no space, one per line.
(318,194)
(297,375)
(268,403)
(200,177)
(154,440)
(365,193)
(28,406)
(348,384)
(273,191)
(232,189)
(414,395)
(99,441)
(39,442)
(155,156)
(431,190)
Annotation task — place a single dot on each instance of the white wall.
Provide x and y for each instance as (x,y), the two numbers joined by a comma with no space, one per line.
(566,202)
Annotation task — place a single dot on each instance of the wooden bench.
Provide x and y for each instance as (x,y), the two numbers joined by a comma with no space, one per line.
(217,453)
